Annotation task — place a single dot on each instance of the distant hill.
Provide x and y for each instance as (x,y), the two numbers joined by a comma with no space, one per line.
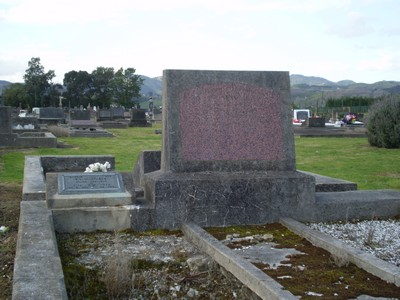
(297,79)
(151,86)
(309,88)
(303,88)
(3,84)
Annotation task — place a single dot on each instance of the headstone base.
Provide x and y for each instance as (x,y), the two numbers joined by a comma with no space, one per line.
(228,198)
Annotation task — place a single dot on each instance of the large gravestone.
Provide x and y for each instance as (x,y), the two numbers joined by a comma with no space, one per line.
(228,151)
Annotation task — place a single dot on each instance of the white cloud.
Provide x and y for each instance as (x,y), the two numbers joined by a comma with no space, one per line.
(385,60)
(354,25)
(72,11)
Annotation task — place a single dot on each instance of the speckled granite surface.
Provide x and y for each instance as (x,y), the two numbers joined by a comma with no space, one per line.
(227,121)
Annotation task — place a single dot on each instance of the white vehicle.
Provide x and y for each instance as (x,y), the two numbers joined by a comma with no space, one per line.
(300,116)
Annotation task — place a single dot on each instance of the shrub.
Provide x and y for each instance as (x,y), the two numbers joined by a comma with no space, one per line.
(58,131)
(383,122)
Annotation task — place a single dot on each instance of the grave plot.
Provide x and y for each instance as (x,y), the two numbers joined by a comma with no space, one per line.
(300,267)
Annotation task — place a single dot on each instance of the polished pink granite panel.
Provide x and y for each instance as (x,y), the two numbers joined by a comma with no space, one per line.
(230,121)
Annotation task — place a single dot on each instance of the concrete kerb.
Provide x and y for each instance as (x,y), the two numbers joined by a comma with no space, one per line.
(38,272)
(34,185)
(260,283)
(380,268)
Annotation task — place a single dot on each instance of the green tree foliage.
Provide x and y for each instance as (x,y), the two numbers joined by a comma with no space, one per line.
(101,86)
(37,82)
(383,123)
(79,88)
(126,86)
(16,95)
(350,102)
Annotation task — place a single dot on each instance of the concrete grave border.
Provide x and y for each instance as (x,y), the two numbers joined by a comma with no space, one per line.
(38,273)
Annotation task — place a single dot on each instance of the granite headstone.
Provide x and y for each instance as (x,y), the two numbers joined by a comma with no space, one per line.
(227,153)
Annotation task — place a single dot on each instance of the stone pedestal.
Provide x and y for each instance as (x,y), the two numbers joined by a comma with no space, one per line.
(228,198)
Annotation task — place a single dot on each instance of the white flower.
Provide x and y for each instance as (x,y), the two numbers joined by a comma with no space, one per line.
(98,167)
(3,229)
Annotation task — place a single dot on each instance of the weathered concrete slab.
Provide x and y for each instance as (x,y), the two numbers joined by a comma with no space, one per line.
(91,219)
(330,184)
(259,282)
(37,270)
(34,186)
(148,161)
(362,204)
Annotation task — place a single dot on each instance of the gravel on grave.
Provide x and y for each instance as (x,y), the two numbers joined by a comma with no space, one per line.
(198,276)
(380,238)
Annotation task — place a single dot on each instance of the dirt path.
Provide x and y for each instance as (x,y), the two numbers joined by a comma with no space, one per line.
(10,197)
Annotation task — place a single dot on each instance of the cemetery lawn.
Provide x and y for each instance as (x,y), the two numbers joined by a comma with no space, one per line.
(351,159)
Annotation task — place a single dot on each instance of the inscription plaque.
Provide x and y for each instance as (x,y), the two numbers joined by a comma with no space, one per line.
(88,183)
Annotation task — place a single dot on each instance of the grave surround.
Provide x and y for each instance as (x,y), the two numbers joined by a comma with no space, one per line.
(20,138)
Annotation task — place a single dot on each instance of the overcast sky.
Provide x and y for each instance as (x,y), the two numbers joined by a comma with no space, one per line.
(334,39)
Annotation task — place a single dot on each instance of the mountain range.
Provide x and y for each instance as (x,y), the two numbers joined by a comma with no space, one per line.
(302,87)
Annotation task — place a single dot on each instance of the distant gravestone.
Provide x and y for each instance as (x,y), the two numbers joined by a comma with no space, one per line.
(80,114)
(81,119)
(7,138)
(51,115)
(138,118)
(23,139)
(104,114)
(118,112)
(5,120)
(316,122)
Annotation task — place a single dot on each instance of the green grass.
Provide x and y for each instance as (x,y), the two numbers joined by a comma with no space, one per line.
(346,158)
(125,147)
(351,159)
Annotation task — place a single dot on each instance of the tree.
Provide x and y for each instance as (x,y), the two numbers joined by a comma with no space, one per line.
(101,86)
(16,95)
(37,82)
(126,86)
(79,88)
(383,123)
